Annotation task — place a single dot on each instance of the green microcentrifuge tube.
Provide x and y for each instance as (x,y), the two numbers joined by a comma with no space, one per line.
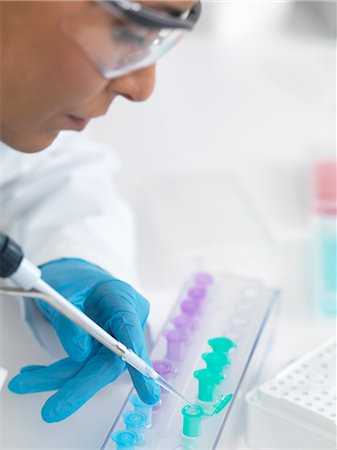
(221,344)
(221,404)
(192,420)
(217,361)
(208,379)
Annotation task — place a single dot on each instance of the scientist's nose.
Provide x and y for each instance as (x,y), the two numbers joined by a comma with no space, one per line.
(136,86)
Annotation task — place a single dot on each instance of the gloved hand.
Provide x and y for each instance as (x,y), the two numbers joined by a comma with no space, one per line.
(114,305)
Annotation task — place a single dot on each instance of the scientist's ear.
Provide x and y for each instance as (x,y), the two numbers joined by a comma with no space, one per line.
(136,86)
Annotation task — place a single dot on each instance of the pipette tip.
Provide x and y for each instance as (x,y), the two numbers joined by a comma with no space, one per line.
(164,384)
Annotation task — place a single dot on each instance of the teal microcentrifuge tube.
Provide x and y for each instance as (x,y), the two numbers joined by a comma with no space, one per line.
(143,408)
(217,361)
(208,379)
(192,420)
(221,404)
(134,421)
(126,440)
(221,344)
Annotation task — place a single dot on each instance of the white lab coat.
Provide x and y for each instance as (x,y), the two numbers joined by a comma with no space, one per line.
(62,202)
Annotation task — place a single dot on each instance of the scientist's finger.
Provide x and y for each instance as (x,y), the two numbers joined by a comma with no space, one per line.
(117,296)
(76,342)
(44,378)
(29,368)
(99,371)
(127,328)
(124,315)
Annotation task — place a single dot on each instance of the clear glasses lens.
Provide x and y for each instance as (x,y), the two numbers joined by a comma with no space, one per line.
(115,45)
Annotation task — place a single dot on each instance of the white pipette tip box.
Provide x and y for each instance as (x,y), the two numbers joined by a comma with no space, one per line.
(296,408)
(3,376)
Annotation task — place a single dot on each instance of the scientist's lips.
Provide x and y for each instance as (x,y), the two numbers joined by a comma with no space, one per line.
(77,123)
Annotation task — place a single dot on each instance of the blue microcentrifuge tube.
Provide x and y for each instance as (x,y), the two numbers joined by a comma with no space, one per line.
(134,421)
(126,440)
(143,408)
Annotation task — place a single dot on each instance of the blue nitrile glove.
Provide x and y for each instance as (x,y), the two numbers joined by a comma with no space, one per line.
(114,305)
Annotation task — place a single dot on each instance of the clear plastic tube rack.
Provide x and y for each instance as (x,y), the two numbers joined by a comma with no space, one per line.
(208,307)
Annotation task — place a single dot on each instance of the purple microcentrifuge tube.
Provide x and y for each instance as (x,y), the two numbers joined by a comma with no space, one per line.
(203,279)
(186,323)
(176,340)
(191,307)
(165,370)
(197,293)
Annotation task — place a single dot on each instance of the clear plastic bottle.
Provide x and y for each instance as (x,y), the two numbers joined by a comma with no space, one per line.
(324,236)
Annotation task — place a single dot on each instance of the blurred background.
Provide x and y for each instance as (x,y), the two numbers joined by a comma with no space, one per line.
(218,167)
(217,163)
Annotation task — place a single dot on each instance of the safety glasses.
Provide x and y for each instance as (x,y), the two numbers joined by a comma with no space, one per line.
(122,36)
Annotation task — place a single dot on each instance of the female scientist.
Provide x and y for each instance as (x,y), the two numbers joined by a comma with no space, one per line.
(63,63)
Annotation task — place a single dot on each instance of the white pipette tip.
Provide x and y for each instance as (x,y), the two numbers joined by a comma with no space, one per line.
(164,384)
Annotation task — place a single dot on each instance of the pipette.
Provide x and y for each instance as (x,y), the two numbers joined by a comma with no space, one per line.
(27,276)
